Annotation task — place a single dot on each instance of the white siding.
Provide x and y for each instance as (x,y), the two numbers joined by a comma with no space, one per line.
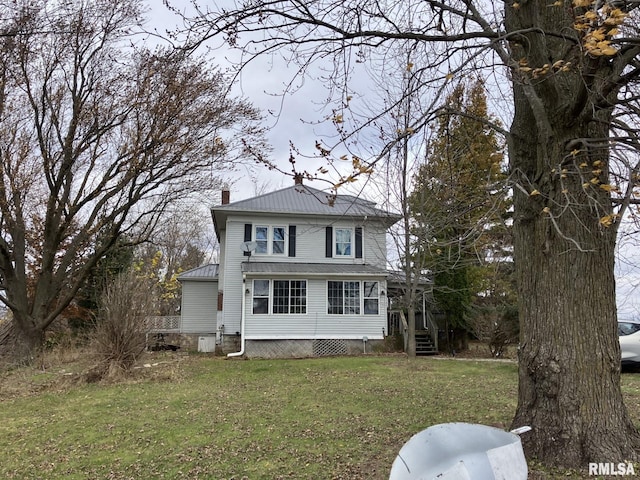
(231,277)
(316,323)
(199,306)
(310,248)
(310,240)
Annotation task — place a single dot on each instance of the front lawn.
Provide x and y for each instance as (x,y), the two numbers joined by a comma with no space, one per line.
(210,418)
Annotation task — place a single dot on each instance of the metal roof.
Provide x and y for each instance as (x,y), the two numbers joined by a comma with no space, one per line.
(306,200)
(314,269)
(303,200)
(206,272)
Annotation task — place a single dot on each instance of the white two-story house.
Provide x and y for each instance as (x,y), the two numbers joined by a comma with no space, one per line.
(301,273)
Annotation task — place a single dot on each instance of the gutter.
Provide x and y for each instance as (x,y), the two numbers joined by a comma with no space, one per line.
(242,321)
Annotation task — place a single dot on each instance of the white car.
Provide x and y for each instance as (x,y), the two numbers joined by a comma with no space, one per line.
(629,336)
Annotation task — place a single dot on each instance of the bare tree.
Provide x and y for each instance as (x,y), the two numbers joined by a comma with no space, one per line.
(573,70)
(394,182)
(98,137)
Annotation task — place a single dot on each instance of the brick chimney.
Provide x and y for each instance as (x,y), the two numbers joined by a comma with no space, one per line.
(226,195)
(297,179)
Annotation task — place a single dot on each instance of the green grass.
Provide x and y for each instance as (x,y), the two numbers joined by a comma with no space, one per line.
(210,418)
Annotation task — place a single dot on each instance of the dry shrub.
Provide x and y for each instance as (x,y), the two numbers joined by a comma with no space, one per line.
(497,328)
(120,330)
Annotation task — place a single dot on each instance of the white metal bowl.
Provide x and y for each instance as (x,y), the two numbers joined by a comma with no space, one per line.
(461,451)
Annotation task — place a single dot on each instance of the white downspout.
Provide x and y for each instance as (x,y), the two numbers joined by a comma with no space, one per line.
(242,321)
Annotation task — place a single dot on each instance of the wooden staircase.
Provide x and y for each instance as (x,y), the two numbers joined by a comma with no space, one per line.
(424,343)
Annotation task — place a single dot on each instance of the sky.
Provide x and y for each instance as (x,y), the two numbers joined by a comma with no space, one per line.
(294,118)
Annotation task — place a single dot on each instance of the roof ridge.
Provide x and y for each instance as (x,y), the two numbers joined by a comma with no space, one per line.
(301,188)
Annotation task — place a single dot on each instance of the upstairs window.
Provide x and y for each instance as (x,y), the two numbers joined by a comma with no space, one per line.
(262,239)
(270,240)
(343,242)
(277,242)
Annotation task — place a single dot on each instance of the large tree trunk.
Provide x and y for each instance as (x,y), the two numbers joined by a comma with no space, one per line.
(19,344)
(569,374)
(564,240)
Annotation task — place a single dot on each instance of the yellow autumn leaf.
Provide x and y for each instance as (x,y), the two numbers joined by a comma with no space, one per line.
(581,27)
(534,193)
(575,152)
(584,165)
(582,3)
(597,163)
(609,188)
(515,5)
(558,3)
(591,15)
(616,17)
(409,66)
(609,51)
(546,210)
(608,220)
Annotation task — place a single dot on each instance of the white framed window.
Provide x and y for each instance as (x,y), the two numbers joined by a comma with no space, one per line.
(290,296)
(278,241)
(262,240)
(353,298)
(261,297)
(343,298)
(343,242)
(371,298)
(285,297)
(270,240)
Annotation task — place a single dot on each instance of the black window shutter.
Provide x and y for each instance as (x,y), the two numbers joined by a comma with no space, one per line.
(358,242)
(248,228)
(292,240)
(329,242)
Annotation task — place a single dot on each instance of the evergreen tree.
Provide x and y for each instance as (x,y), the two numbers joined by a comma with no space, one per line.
(459,202)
